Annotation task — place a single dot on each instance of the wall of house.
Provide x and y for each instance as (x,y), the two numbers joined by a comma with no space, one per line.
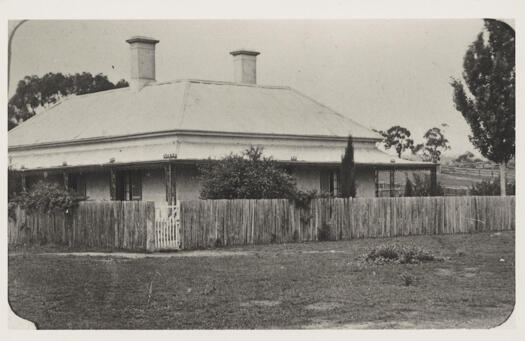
(97,185)
(365,183)
(307,178)
(153,185)
(188,186)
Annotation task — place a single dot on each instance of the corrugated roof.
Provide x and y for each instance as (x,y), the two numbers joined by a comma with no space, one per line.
(186,105)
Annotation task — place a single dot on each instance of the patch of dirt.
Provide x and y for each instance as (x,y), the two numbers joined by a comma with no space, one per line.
(443,272)
(326,324)
(260,303)
(470,272)
(323,306)
(323,251)
(479,323)
(197,253)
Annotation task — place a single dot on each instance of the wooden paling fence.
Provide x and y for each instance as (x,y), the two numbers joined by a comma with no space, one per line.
(101,225)
(211,223)
(139,226)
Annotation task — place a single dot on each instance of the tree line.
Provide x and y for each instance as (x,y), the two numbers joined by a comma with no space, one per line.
(399,138)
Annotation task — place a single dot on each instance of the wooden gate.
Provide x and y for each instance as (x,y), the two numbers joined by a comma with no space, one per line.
(167,227)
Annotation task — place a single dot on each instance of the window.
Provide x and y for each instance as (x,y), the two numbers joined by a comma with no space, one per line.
(129,185)
(77,183)
(330,182)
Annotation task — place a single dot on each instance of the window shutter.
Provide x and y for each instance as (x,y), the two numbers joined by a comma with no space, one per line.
(136,185)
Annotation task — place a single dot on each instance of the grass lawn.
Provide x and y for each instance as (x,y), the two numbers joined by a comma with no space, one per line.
(311,285)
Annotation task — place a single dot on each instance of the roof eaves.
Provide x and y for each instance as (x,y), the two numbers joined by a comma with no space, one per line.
(182,132)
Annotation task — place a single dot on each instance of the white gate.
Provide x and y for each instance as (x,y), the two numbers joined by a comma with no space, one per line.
(167,226)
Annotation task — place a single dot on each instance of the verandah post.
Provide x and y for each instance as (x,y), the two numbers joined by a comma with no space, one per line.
(167,181)
(112,184)
(66,180)
(23,179)
(170,181)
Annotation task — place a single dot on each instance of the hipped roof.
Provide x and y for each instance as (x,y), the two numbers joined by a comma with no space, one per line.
(186,105)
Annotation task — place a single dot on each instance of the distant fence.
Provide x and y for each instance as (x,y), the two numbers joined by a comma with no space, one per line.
(101,225)
(477,173)
(213,223)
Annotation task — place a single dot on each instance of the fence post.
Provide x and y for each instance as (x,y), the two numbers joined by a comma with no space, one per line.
(150,227)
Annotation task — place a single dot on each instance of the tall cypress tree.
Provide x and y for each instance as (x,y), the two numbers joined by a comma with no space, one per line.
(486,95)
(348,171)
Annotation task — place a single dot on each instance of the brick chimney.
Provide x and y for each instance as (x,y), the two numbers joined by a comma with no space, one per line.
(142,61)
(245,66)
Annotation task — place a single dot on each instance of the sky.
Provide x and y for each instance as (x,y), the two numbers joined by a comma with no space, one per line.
(378,72)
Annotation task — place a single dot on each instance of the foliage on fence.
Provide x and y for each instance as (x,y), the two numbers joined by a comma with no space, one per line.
(238,222)
(100,225)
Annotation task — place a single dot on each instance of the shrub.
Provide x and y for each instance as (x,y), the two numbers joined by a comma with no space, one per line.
(11,210)
(46,197)
(302,198)
(246,176)
(324,232)
(491,187)
(421,186)
(402,254)
(409,188)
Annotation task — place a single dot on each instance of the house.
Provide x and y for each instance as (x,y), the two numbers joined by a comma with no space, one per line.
(145,142)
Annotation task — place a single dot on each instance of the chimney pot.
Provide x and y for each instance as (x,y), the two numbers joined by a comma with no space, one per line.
(142,61)
(245,66)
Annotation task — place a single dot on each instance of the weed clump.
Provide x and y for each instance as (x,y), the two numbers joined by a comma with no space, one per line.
(407,279)
(400,254)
